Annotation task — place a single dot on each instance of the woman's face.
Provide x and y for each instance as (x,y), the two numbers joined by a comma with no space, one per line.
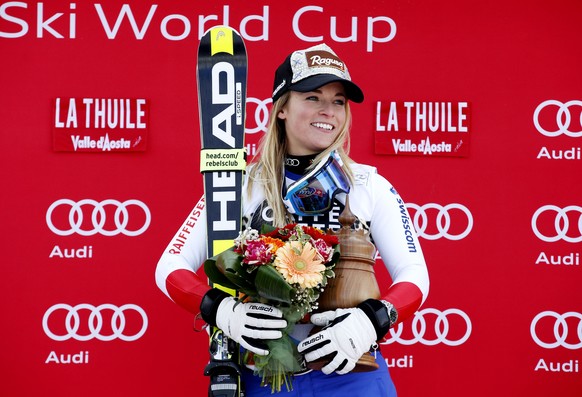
(314,119)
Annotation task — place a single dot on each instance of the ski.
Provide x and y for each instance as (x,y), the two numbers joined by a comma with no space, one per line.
(222,79)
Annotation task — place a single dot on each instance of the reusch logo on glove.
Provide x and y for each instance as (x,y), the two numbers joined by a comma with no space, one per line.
(261,308)
(315,339)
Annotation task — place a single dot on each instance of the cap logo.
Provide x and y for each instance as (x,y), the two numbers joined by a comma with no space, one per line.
(279,87)
(324,59)
(306,70)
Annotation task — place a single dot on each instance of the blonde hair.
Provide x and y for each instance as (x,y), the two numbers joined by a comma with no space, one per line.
(269,169)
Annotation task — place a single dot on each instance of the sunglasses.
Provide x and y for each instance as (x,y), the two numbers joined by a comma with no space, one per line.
(314,192)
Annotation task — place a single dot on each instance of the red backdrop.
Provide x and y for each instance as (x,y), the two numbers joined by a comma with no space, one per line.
(500,220)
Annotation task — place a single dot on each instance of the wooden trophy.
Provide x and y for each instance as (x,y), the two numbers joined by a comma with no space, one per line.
(354,281)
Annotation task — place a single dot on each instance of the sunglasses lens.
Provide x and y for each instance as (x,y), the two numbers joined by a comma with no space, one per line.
(313,194)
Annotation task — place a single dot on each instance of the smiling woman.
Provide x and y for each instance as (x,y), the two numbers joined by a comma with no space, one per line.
(303,174)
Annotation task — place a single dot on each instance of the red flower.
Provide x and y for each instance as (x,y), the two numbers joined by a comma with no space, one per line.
(313,232)
(257,253)
(324,249)
(330,240)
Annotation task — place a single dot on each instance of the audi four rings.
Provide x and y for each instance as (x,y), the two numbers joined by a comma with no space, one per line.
(420,220)
(72,322)
(561,331)
(563,118)
(441,328)
(561,223)
(261,115)
(98,217)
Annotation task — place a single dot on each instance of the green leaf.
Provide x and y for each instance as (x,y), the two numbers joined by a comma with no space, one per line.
(272,286)
(335,257)
(232,267)
(215,275)
(226,269)
(227,260)
(267,228)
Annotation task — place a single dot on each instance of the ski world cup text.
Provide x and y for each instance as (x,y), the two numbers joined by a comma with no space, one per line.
(143,21)
(422,128)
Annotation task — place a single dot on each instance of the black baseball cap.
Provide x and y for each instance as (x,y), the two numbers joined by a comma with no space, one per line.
(309,69)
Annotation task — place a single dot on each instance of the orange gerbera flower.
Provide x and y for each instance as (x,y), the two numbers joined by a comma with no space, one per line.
(275,243)
(300,264)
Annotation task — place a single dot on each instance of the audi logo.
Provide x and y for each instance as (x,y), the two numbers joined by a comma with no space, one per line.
(261,115)
(93,325)
(442,221)
(560,329)
(561,223)
(563,118)
(292,162)
(442,331)
(97,222)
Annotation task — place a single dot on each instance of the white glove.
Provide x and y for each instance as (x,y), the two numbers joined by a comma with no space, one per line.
(347,338)
(250,323)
